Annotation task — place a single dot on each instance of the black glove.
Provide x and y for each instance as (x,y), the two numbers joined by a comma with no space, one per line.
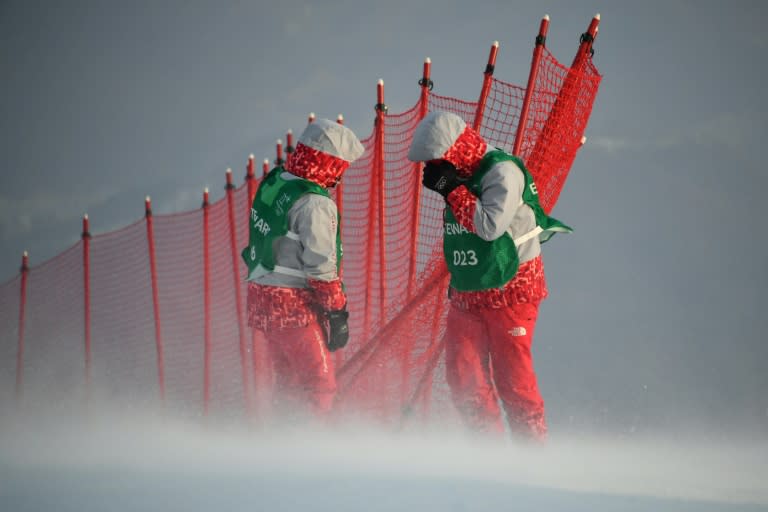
(338,329)
(441,176)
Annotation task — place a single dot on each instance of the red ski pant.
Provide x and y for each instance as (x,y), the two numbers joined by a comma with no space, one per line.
(305,378)
(491,348)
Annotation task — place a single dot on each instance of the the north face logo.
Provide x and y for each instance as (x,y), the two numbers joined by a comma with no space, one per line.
(517,331)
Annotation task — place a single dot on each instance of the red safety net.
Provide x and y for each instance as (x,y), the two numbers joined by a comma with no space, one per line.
(167,325)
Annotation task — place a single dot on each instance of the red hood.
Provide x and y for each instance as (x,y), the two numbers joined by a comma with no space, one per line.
(466,152)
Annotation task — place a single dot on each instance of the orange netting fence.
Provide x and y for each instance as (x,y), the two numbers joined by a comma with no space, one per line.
(154,312)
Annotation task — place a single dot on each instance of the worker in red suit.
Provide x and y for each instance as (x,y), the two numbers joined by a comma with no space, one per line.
(493,230)
(295,294)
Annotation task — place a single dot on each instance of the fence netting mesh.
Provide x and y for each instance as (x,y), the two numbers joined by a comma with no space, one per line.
(203,358)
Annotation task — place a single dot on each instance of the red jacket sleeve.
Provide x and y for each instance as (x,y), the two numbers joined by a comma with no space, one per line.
(463,204)
(329,295)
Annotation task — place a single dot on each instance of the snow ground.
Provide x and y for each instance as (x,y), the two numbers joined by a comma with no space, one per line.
(121,462)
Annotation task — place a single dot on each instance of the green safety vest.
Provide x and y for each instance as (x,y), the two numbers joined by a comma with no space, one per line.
(477,264)
(269,220)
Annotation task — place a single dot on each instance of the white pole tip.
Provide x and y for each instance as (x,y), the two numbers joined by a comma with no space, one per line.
(340,117)
(26,254)
(147,199)
(289,131)
(428,60)
(312,115)
(546,17)
(381,81)
(229,170)
(266,161)
(279,141)
(496,44)
(251,157)
(85,216)
(597,16)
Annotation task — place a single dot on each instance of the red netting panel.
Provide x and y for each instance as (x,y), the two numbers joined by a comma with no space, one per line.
(402,185)
(390,378)
(124,364)
(54,355)
(465,109)
(400,189)
(560,109)
(10,295)
(358,231)
(502,114)
(390,375)
(548,82)
(179,256)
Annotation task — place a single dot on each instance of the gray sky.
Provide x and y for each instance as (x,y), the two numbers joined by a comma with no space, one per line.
(657,305)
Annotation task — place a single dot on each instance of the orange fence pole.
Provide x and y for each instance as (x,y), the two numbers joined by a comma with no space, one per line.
(541,40)
(155,297)
(381,111)
(86,237)
(587,38)
(372,198)
(426,86)
(207,345)
(340,208)
(250,182)
(230,188)
(489,68)
(264,171)
(22,319)
(279,160)
(288,144)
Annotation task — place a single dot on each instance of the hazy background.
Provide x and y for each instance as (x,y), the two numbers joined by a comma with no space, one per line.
(656,318)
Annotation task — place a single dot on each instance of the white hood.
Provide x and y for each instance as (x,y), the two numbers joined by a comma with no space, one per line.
(435,135)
